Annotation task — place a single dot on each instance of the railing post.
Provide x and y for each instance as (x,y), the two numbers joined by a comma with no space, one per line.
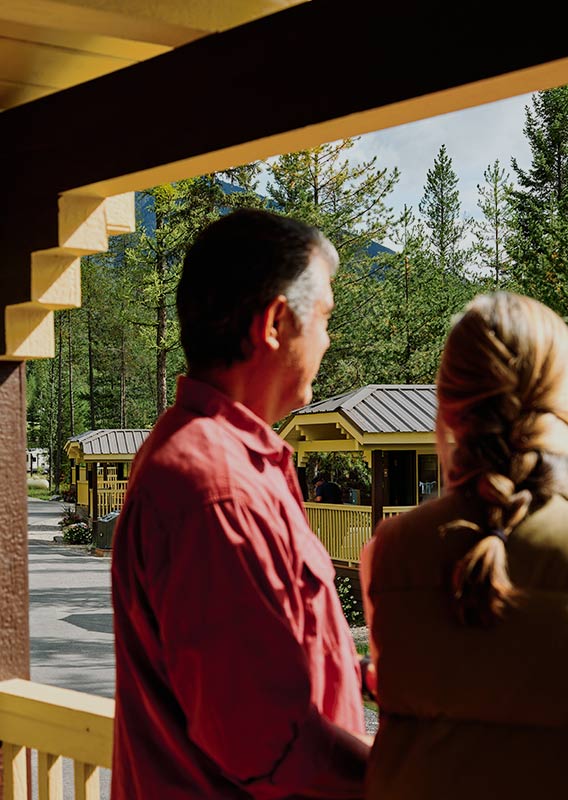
(49,777)
(86,782)
(15,772)
(377,482)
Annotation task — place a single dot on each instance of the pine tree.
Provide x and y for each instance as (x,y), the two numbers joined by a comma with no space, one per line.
(417,302)
(348,202)
(179,212)
(539,245)
(440,208)
(244,181)
(493,231)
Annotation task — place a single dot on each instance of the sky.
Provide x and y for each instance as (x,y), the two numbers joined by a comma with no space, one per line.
(474,139)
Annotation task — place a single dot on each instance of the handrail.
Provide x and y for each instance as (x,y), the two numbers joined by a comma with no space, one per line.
(111,498)
(58,723)
(343,529)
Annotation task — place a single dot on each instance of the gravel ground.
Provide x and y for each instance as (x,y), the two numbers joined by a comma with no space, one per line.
(361,637)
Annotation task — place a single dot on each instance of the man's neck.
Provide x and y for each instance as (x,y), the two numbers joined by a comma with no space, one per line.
(240,382)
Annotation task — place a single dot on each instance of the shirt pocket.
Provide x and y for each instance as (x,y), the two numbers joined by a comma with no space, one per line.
(318,576)
(325,630)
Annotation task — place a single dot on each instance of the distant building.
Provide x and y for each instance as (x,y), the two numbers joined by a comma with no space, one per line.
(37,460)
(100,466)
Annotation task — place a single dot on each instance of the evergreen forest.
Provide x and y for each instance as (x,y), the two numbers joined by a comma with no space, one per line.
(117,357)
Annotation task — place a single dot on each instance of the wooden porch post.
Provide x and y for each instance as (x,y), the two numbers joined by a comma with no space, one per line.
(95,474)
(377,476)
(14,599)
(303,482)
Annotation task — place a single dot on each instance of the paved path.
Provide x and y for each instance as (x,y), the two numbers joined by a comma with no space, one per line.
(71,639)
(70,608)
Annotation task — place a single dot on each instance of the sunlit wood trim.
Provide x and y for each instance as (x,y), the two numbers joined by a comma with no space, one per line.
(29,332)
(100,22)
(85,224)
(49,776)
(80,41)
(56,280)
(59,721)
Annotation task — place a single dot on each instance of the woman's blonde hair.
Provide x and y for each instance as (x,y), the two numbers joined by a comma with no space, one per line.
(502,431)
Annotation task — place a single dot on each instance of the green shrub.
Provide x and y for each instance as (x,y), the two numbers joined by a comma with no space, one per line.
(77,533)
(349,603)
(70,517)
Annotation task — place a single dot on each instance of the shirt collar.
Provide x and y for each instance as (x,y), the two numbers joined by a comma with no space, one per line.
(255,434)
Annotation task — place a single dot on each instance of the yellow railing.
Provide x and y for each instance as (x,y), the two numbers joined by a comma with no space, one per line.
(58,723)
(83,493)
(111,496)
(344,529)
(394,511)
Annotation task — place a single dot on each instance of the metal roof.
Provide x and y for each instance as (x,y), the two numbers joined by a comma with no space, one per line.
(111,441)
(383,408)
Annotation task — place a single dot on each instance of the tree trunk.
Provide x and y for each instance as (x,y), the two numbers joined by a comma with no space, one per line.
(161,327)
(91,370)
(123,381)
(161,357)
(51,448)
(59,428)
(70,373)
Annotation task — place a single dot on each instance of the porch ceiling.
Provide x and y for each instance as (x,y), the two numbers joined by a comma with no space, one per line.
(50,45)
(313,72)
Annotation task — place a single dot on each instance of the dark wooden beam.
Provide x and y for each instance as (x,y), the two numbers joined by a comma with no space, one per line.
(301,67)
(313,62)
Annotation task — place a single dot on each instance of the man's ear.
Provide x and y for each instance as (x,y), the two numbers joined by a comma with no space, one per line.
(266,326)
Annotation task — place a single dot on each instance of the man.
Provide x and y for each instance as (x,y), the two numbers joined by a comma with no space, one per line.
(327,491)
(236,673)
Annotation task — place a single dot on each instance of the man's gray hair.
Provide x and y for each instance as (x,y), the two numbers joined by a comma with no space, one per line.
(302,292)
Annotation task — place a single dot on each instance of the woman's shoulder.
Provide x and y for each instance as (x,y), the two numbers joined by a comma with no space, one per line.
(409,548)
(431,514)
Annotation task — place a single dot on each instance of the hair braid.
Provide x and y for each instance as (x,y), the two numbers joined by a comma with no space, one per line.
(503,398)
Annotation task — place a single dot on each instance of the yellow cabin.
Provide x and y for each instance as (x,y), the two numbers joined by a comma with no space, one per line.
(392,426)
(100,466)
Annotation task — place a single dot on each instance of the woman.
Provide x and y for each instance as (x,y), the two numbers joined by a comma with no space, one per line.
(468,594)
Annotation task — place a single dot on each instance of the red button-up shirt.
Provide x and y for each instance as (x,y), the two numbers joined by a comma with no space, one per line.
(233,657)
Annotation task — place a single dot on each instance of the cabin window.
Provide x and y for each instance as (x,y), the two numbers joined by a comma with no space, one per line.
(427,476)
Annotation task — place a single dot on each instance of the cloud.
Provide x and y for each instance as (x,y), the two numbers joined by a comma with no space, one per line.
(474,138)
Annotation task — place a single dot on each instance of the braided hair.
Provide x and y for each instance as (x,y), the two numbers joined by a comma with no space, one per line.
(502,432)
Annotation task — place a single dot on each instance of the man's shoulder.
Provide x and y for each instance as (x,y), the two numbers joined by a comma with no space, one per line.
(190,454)
(416,535)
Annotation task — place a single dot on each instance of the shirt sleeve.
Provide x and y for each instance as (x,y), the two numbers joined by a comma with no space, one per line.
(231,623)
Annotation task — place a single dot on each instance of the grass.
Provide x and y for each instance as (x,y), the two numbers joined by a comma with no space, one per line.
(39,494)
